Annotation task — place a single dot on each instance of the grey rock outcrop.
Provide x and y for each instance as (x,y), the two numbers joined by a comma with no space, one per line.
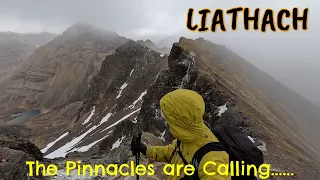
(14,152)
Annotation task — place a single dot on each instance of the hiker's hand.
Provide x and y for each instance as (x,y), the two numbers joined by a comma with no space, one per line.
(135,148)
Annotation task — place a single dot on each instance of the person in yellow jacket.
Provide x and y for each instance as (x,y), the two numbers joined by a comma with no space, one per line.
(183,110)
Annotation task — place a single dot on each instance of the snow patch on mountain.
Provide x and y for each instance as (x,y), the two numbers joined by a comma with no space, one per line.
(157,76)
(251,139)
(131,72)
(134,120)
(259,143)
(87,147)
(53,142)
(117,143)
(105,119)
(189,63)
(222,109)
(65,149)
(162,135)
(122,119)
(124,85)
(89,117)
(139,99)
(262,146)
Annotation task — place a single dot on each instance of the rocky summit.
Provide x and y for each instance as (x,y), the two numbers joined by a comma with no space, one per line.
(83,95)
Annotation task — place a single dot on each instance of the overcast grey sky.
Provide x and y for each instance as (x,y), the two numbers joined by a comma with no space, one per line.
(291,57)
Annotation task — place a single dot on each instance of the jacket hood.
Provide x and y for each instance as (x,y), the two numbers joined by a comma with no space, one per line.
(183,110)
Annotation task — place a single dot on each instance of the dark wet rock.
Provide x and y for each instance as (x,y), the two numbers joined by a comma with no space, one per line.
(14,152)
(20,144)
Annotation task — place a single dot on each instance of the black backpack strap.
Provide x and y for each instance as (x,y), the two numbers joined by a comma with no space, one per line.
(175,149)
(198,155)
(180,153)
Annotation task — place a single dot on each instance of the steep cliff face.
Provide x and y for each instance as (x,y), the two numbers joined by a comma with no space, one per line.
(15,48)
(115,96)
(231,97)
(191,67)
(60,72)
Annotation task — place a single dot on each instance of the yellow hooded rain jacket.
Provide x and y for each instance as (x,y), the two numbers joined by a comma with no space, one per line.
(183,110)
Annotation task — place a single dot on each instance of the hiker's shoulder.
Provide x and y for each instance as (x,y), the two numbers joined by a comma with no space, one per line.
(209,137)
(218,155)
(205,139)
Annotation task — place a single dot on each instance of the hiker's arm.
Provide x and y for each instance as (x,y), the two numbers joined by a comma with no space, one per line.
(214,159)
(160,153)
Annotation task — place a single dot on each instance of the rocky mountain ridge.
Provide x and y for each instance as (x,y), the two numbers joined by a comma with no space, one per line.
(114,96)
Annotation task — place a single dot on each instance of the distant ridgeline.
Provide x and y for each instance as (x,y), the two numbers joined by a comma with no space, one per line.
(274,21)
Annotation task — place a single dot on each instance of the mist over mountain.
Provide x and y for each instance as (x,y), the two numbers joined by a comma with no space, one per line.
(149,44)
(15,48)
(59,73)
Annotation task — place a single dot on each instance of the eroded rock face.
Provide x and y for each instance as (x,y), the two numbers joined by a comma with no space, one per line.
(113,99)
(231,98)
(14,152)
(183,72)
